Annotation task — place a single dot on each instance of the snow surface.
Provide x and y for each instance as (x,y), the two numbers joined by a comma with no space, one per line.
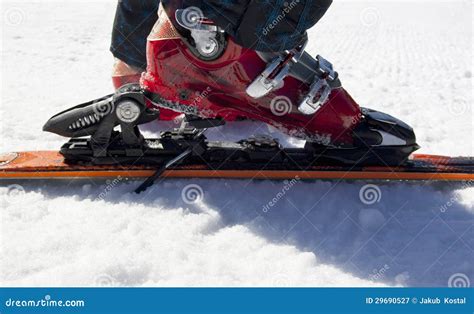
(410,59)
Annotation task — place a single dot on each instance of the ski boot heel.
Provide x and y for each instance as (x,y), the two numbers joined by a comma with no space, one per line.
(124,74)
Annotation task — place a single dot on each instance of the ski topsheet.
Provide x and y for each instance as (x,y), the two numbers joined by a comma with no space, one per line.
(52,165)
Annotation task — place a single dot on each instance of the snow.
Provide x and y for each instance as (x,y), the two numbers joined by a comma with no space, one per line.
(410,59)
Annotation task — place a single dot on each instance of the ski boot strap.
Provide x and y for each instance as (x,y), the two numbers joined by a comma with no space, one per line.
(272,77)
(276,71)
(320,89)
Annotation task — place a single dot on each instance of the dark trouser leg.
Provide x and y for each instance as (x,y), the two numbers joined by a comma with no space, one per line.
(271,26)
(133,22)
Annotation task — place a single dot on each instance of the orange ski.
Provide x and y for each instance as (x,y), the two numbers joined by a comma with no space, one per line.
(51,165)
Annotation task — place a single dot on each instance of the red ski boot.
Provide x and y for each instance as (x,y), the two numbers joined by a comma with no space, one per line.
(200,70)
(195,68)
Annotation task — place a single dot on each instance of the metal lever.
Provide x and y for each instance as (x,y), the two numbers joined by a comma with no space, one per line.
(173,162)
(203,32)
(312,102)
(272,77)
(320,89)
(191,150)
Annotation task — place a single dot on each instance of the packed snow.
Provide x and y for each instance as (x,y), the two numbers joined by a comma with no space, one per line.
(410,59)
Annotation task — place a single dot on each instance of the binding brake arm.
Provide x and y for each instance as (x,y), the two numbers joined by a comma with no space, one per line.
(197,146)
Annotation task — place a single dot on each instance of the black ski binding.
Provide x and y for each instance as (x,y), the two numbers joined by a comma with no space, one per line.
(91,127)
(98,118)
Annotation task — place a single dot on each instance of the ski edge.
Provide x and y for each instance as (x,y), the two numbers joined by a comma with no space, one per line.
(241,174)
(50,165)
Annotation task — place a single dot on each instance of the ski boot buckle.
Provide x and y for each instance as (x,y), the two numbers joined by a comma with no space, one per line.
(320,89)
(272,77)
(206,35)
